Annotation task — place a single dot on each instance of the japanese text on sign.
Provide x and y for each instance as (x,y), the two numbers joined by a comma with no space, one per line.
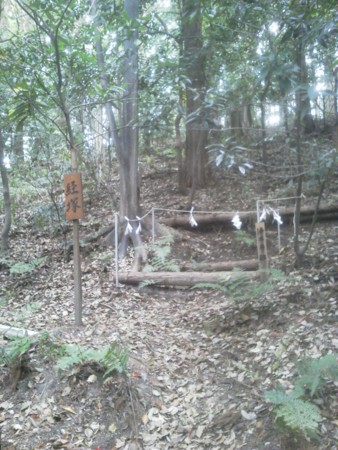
(74,197)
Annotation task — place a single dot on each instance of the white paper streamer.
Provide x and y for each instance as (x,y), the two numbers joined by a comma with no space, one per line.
(139,228)
(192,220)
(263,215)
(277,217)
(129,228)
(236,221)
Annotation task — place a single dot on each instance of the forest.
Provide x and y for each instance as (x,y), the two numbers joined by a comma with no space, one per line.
(168,220)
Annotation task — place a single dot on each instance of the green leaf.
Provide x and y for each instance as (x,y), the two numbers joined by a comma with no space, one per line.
(277,397)
(300,415)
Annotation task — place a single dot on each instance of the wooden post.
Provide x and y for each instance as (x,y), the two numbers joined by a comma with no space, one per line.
(263,259)
(74,212)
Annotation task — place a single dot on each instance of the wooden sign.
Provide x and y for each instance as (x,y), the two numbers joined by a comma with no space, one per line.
(74,196)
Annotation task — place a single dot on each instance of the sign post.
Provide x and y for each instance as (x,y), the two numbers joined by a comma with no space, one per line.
(263,259)
(74,212)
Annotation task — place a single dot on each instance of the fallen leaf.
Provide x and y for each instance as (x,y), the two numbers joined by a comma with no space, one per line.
(248,416)
(112,428)
(68,409)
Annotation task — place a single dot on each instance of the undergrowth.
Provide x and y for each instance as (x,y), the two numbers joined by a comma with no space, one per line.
(112,358)
(160,260)
(295,411)
(14,350)
(241,288)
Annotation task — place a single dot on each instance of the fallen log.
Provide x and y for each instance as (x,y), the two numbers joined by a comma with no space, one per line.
(325,212)
(9,331)
(220,266)
(185,279)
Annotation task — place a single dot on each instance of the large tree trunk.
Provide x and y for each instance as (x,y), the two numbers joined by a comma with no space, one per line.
(6,196)
(194,64)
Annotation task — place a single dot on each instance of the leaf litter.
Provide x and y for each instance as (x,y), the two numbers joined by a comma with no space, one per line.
(198,366)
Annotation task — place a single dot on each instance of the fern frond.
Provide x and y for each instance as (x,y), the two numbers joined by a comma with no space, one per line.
(313,372)
(161,261)
(277,396)
(146,283)
(300,415)
(208,285)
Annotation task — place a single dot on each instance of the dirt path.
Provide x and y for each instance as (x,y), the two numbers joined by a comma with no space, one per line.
(199,362)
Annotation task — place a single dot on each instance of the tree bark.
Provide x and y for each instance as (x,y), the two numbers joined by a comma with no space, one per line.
(303,104)
(127,140)
(194,64)
(7,200)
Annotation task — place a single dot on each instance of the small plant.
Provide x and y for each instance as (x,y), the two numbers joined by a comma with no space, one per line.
(22,267)
(115,359)
(160,261)
(294,410)
(16,348)
(295,414)
(243,236)
(314,373)
(49,347)
(112,358)
(4,263)
(241,288)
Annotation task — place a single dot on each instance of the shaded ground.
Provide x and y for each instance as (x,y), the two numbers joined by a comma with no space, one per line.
(199,361)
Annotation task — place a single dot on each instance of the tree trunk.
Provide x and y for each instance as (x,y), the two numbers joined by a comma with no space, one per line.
(6,196)
(127,142)
(179,146)
(263,131)
(18,142)
(286,118)
(128,153)
(302,100)
(194,64)
(236,123)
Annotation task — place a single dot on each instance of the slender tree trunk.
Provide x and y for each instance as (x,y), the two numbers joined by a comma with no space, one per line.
(286,118)
(194,63)
(127,140)
(236,123)
(179,146)
(18,142)
(7,199)
(336,95)
(307,122)
(263,135)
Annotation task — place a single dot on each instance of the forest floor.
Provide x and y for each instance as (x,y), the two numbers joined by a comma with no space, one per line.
(200,360)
